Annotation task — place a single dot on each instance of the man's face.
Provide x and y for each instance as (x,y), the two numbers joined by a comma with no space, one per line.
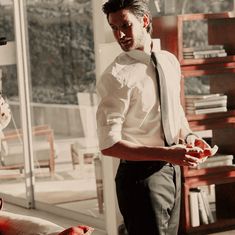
(128,30)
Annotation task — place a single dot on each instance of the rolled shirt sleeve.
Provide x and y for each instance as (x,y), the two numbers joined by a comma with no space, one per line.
(112,109)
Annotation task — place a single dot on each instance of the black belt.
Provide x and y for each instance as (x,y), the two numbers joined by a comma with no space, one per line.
(149,163)
(140,169)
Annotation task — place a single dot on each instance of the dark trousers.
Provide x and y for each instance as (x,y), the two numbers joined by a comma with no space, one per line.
(149,197)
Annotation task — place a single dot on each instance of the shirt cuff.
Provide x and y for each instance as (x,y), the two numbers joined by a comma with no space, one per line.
(108,136)
(189,134)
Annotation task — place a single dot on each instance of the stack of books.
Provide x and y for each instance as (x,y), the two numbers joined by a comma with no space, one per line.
(209,51)
(203,104)
(217,160)
(200,210)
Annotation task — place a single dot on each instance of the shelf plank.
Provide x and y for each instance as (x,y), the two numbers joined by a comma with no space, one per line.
(209,171)
(220,225)
(206,62)
(228,114)
(203,180)
(212,124)
(199,16)
(212,121)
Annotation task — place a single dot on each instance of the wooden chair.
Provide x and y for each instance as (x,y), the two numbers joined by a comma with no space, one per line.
(99,183)
(43,148)
(90,155)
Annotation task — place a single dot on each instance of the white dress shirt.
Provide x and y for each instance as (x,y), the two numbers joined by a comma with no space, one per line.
(129,108)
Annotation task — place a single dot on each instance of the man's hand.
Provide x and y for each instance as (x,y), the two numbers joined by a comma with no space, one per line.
(181,155)
(195,142)
(190,154)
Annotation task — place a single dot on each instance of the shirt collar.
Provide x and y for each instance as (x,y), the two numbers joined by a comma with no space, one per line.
(140,56)
(143,56)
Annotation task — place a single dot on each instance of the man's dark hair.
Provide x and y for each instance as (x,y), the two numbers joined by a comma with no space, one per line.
(139,8)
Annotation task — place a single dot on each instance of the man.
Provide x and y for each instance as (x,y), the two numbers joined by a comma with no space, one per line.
(142,125)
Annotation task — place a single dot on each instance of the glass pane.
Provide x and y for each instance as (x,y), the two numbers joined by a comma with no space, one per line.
(11,155)
(161,7)
(67,163)
(210,6)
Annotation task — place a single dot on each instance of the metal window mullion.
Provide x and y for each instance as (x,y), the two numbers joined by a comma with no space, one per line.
(23,80)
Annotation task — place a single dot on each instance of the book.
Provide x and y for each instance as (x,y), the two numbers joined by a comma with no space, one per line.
(204,48)
(210,193)
(207,110)
(210,55)
(217,160)
(205,200)
(202,54)
(202,210)
(209,104)
(203,96)
(203,101)
(193,207)
(205,52)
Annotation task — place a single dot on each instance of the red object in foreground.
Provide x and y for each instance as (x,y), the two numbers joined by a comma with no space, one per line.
(205,151)
(79,230)
(201,144)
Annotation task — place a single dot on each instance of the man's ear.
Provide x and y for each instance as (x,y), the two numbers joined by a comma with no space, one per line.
(145,21)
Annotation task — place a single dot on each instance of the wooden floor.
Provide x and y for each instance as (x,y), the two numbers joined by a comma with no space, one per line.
(47,216)
(66,222)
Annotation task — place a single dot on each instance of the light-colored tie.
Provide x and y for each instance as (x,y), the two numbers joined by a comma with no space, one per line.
(153,57)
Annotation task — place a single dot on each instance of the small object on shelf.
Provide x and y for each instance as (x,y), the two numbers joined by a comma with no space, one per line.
(217,160)
(202,210)
(206,203)
(209,51)
(208,110)
(204,48)
(194,208)
(202,104)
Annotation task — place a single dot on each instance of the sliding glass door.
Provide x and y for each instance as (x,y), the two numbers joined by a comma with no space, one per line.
(16,169)
(51,159)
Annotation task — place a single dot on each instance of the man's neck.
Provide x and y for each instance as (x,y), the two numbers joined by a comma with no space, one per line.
(148,44)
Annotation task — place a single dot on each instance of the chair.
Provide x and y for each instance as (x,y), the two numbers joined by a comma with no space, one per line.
(43,147)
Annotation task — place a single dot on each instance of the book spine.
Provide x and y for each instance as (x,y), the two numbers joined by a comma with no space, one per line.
(215,164)
(205,96)
(205,52)
(208,110)
(204,103)
(194,209)
(202,210)
(205,48)
(210,216)
(210,55)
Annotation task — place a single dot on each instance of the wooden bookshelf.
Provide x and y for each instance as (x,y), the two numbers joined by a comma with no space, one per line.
(212,121)
(220,25)
(221,73)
